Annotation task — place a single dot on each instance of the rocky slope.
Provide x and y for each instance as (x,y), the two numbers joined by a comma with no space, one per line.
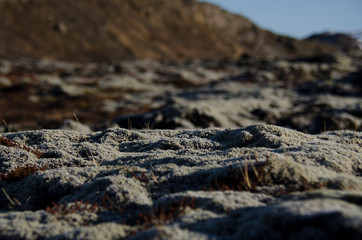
(346,42)
(309,94)
(181,184)
(113,30)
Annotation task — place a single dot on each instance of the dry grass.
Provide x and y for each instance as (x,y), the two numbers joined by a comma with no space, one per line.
(244,178)
(160,216)
(14,203)
(145,177)
(7,129)
(86,140)
(251,176)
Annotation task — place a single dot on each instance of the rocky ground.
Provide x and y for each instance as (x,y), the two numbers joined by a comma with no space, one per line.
(258,182)
(307,94)
(219,172)
(263,142)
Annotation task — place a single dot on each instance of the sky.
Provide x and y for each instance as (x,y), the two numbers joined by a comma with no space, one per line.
(299,19)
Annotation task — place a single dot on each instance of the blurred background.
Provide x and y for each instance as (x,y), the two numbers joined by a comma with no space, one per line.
(300,19)
(180,64)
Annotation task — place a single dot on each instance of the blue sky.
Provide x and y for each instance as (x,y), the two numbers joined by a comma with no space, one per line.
(299,18)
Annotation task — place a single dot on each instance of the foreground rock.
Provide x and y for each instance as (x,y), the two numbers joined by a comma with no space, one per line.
(181,184)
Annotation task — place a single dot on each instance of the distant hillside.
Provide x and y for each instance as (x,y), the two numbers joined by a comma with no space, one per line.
(112,30)
(345,42)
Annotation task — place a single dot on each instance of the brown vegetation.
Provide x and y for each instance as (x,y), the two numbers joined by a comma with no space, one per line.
(159,216)
(113,30)
(61,209)
(21,172)
(12,143)
(245,178)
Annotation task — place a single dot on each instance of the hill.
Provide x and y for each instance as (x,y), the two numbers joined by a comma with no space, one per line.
(343,41)
(112,30)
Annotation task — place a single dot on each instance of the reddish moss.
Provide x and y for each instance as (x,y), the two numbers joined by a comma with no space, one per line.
(74,207)
(21,172)
(12,143)
(142,178)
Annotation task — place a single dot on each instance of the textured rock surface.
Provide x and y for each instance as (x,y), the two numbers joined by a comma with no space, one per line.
(310,95)
(182,184)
